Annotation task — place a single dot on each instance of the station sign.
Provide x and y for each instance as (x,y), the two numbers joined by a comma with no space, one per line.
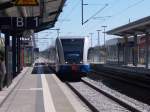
(18,23)
(26,2)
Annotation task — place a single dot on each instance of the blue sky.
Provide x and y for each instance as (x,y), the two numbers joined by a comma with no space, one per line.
(117,13)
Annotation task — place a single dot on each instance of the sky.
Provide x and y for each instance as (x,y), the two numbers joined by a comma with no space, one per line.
(113,13)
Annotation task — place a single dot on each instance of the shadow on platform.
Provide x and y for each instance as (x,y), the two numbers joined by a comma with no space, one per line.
(42,68)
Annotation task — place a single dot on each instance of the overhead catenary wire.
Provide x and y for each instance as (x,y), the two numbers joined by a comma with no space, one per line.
(113,15)
(72,9)
(114,2)
(129,7)
(100,10)
(122,11)
(103,18)
(70,12)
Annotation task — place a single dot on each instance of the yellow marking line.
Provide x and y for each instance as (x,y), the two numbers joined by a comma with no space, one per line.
(48,101)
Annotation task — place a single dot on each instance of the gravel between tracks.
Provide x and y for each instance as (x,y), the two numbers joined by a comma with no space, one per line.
(139,105)
(98,100)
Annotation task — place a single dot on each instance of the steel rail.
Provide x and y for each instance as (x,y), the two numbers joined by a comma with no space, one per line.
(121,102)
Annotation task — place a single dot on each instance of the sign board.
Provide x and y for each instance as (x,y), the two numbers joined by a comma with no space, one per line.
(26,2)
(18,23)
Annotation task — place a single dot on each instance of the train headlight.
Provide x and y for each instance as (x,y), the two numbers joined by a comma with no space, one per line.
(66,62)
(81,62)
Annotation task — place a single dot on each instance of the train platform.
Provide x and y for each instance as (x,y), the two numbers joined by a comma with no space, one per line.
(136,75)
(128,68)
(133,72)
(131,68)
(6,91)
(138,66)
(37,89)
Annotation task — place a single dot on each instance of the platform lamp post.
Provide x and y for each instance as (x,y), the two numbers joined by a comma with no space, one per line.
(91,34)
(98,31)
(104,27)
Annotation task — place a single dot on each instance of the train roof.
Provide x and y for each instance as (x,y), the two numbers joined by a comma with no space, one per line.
(72,37)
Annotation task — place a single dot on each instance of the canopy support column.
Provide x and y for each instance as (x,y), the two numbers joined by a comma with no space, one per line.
(7,60)
(18,55)
(147,50)
(14,55)
(118,53)
(135,52)
(21,53)
(126,50)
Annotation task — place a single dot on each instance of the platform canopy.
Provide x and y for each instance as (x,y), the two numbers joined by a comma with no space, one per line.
(47,10)
(141,26)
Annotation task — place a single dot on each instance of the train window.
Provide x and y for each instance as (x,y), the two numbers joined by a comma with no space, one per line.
(73,57)
(73,50)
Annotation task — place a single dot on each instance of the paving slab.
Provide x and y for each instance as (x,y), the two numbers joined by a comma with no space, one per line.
(6,91)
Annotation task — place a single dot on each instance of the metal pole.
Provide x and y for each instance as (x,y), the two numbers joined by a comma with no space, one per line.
(147,49)
(98,37)
(104,33)
(135,53)
(8,69)
(104,43)
(91,39)
(126,50)
(82,11)
(14,55)
(23,48)
(21,53)
(18,55)
(92,45)
(118,48)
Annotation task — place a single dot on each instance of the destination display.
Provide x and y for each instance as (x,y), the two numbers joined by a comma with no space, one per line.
(18,23)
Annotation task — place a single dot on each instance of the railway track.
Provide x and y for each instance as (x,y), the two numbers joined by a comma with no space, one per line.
(124,78)
(98,100)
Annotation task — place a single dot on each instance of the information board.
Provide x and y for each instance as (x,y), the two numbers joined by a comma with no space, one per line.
(18,23)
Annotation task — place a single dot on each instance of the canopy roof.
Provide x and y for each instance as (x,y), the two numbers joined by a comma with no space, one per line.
(47,10)
(137,27)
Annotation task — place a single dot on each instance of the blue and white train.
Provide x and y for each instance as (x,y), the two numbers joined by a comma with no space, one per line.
(71,56)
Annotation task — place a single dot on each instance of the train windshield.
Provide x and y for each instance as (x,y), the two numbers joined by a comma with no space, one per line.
(73,50)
